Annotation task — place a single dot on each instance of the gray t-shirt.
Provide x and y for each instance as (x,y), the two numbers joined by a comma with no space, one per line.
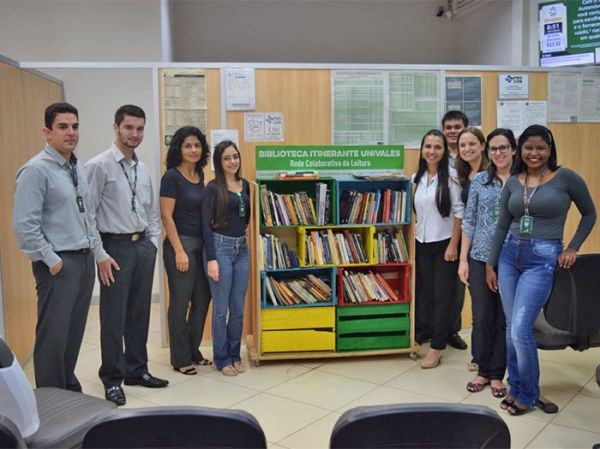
(548,208)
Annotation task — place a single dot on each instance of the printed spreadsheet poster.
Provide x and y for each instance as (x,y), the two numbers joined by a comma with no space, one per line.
(183,100)
(377,107)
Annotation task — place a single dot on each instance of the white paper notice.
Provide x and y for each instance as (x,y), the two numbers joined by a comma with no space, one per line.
(264,127)
(563,97)
(518,115)
(590,98)
(219,135)
(240,89)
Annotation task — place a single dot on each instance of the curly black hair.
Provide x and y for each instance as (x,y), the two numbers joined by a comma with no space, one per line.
(174,156)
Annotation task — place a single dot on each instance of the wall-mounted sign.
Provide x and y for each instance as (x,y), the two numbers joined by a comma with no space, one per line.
(264,127)
(513,86)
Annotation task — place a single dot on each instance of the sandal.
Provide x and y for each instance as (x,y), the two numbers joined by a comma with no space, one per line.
(203,362)
(499,392)
(508,402)
(239,367)
(188,371)
(472,367)
(475,387)
(516,409)
(229,370)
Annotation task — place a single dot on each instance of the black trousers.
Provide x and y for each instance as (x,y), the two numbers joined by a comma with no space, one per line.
(435,289)
(489,325)
(189,297)
(125,310)
(63,306)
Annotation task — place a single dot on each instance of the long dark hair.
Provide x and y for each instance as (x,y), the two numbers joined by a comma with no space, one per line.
(442,196)
(492,169)
(174,156)
(221,216)
(463,168)
(546,135)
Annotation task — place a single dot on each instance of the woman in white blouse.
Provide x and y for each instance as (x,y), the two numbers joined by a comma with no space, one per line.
(438,213)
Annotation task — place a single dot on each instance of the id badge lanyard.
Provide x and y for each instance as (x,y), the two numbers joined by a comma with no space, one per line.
(526,225)
(242,206)
(73,171)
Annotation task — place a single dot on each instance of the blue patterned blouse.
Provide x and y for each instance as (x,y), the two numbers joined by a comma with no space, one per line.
(479,220)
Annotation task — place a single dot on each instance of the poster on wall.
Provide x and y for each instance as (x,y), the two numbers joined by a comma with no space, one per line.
(463,93)
(518,115)
(513,86)
(240,89)
(263,127)
(381,107)
(569,33)
(183,100)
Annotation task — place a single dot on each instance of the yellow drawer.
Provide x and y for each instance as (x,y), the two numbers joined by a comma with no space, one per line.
(297,341)
(301,318)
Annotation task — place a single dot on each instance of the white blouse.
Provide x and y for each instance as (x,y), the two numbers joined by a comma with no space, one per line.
(429,224)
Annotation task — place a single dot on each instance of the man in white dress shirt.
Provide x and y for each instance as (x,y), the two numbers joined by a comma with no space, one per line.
(129,224)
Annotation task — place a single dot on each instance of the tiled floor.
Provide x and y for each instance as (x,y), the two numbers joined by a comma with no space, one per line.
(297,403)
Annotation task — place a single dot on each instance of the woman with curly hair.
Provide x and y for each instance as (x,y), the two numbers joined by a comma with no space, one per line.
(181,193)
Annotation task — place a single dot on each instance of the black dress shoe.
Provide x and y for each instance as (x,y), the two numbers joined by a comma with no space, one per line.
(457,342)
(115,394)
(147,380)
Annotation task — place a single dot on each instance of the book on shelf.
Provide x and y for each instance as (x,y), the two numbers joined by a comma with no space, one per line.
(300,174)
(266,205)
(368,286)
(302,289)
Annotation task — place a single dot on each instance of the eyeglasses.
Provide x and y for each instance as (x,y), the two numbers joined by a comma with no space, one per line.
(501,149)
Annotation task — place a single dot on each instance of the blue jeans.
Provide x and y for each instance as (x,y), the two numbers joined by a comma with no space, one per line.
(526,270)
(228,295)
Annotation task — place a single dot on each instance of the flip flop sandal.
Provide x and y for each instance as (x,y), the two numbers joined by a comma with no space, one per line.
(475,387)
(505,403)
(188,372)
(229,370)
(203,362)
(515,410)
(499,392)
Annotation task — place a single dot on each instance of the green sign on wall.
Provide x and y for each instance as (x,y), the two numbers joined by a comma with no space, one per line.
(569,33)
(336,161)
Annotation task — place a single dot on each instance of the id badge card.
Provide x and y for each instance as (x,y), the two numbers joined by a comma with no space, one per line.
(80,204)
(526,224)
(495,212)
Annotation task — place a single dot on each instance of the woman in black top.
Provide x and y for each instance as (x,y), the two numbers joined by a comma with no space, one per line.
(181,192)
(225,218)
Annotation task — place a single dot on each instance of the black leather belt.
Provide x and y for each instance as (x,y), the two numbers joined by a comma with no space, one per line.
(73,251)
(134,237)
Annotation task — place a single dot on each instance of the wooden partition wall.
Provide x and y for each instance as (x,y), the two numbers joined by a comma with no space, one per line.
(304,97)
(24,97)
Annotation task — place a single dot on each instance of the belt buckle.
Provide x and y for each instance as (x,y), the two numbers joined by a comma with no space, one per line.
(135,237)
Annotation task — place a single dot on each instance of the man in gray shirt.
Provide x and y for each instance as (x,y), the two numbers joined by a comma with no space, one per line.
(129,224)
(56,229)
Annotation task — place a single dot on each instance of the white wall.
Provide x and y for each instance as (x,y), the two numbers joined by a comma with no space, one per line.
(324,31)
(76,30)
(484,37)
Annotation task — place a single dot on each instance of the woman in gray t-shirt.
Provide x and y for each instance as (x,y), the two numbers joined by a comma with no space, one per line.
(527,247)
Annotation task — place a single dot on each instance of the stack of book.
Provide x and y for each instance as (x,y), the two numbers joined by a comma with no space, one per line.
(300,174)
(277,255)
(325,247)
(391,246)
(302,290)
(296,208)
(364,287)
(381,206)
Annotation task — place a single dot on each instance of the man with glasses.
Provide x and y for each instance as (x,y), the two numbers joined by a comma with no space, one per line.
(129,224)
(56,229)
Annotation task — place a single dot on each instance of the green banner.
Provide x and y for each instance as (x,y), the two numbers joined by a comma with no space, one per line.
(335,161)
(569,32)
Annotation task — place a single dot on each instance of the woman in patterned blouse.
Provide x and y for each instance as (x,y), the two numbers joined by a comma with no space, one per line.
(478,226)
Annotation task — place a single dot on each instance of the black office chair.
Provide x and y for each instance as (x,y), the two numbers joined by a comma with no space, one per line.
(181,427)
(64,416)
(420,425)
(571,317)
